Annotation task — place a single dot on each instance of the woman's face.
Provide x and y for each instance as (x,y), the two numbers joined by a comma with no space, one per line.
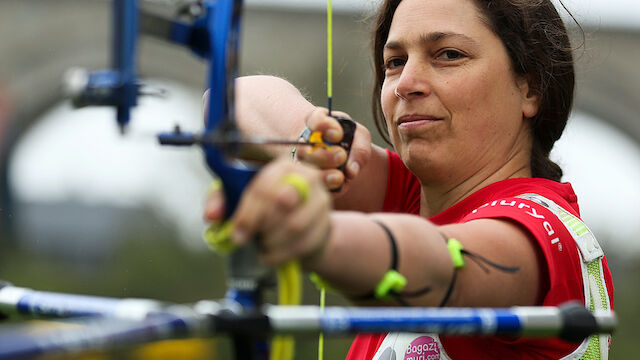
(453,106)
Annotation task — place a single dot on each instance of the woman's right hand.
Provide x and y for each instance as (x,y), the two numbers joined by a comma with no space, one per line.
(329,160)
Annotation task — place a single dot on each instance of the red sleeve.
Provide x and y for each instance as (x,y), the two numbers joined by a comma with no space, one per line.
(564,281)
(403,188)
(365,346)
(553,239)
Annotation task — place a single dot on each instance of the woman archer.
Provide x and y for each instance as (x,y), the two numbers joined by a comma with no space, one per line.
(472,94)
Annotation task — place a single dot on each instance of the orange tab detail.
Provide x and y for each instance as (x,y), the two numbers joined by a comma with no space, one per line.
(316,139)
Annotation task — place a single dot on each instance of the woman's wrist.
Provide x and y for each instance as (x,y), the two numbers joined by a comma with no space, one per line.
(313,261)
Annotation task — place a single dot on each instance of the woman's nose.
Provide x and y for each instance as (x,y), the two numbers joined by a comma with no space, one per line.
(414,81)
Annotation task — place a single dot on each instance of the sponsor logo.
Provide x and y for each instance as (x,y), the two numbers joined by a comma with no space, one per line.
(552,237)
(423,348)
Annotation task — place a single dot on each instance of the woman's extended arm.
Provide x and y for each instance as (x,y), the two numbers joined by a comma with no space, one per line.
(358,254)
(352,251)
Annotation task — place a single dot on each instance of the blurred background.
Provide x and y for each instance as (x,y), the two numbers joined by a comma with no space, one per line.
(85,210)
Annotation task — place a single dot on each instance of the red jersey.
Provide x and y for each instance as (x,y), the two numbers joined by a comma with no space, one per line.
(499,200)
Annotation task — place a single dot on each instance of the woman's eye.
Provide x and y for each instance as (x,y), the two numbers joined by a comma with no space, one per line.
(451,55)
(394,63)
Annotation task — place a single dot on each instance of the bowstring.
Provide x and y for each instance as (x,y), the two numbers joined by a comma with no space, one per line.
(329,55)
(323,291)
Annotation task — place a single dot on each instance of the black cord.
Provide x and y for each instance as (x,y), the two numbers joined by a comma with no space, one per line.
(398,296)
(447,296)
(482,262)
(478,259)
(392,242)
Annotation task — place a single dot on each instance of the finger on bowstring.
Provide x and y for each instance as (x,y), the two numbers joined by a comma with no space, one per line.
(337,113)
(333,178)
(330,158)
(360,152)
(320,121)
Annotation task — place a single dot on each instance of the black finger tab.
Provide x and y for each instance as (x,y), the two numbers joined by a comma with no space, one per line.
(349,130)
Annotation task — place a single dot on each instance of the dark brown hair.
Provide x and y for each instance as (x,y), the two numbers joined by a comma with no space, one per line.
(537,44)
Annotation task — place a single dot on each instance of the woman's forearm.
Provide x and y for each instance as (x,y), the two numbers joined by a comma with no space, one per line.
(359,254)
(269,106)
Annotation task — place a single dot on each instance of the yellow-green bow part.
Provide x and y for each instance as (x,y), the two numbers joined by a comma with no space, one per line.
(299,183)
(392,281)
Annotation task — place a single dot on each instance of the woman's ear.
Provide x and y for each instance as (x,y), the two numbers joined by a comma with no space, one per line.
(530,98)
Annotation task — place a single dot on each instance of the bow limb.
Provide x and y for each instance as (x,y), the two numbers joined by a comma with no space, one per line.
(245,275)
(223,23)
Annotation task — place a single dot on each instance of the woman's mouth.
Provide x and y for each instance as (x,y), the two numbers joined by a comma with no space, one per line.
(412,121)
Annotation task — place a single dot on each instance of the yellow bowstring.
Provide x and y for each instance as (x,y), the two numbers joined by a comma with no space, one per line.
(289,293)
(330,100)
(329,53)
(289,276)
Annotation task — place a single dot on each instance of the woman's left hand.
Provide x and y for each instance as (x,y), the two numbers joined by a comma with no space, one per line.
(287,207)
